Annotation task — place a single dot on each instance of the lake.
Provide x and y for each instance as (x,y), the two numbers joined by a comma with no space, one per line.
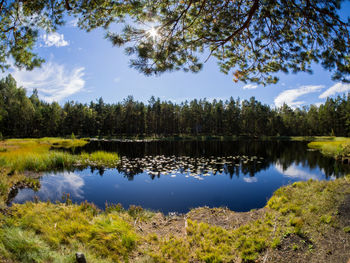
(179,175)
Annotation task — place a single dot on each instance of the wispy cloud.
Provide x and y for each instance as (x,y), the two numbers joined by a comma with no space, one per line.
(290,96)
(73,22)
(249,86)
(336,88)
(250,179)
(116,80)
(54,39)
(54,186)
(53,81)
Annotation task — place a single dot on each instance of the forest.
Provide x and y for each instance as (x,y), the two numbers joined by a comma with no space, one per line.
(23,116)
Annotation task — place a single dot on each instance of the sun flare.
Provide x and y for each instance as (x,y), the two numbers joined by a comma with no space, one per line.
(153,33)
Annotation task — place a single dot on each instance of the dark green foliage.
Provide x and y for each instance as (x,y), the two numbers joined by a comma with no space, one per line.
(30,117)
(252,39)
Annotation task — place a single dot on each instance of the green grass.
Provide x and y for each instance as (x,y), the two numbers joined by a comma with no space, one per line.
(337,147)
(99,158)
(46,232)
(36,155)
(105,236)
(306,209)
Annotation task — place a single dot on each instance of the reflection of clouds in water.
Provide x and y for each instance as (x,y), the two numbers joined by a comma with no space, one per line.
(250,179)
(23,195)
(296,172)
(53,186)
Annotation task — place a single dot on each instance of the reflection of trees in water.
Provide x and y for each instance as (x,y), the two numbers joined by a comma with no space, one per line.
(197,167)
(286,153)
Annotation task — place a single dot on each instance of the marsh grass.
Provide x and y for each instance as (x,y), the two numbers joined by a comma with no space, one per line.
(107,236)
(36,155)
(99,158)
(337,147)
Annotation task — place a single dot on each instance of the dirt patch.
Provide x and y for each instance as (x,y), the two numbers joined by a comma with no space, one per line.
(224,217)
(163,226)
(344,212)
(332,246)
(175,225)
(293,248)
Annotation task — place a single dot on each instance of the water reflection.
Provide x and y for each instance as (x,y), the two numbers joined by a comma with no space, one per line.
(178,176)
(54,186)
(285,153)
(196,167)
(298,172)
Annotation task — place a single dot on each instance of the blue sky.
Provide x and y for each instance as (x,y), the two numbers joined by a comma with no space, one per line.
(84,66)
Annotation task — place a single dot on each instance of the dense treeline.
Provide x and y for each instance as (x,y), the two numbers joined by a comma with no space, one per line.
(22,116)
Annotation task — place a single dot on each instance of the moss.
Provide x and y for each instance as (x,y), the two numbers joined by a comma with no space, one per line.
(346,229)
(276,242)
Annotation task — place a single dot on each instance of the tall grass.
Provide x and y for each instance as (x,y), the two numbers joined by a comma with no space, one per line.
(99,158)
(41,161)
(101,236)
(35,155)
(337,147)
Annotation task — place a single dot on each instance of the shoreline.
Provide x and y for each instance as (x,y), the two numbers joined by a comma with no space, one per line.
(284,229)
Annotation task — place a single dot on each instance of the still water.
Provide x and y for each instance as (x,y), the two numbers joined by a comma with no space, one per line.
(178,176)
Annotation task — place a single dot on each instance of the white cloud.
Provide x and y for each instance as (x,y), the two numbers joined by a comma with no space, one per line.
(336,88)
(53,81)
(249,86)
(116,80)
(295,172)
(250,179)
(289,96)
(53,186)
(54,39)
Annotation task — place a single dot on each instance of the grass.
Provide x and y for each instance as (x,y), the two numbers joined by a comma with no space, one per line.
(46,232)
(105,237)
(37,155)
(99,158)
(287,212)
(337,147)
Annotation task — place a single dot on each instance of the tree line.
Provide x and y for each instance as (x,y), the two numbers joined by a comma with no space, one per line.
(23,116)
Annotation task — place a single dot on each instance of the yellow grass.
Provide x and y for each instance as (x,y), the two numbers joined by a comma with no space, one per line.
(337,147)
